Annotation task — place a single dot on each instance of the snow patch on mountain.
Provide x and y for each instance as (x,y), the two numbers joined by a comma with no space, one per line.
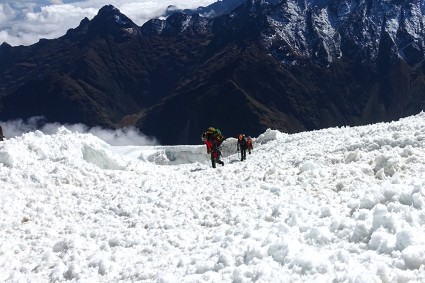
(325,30)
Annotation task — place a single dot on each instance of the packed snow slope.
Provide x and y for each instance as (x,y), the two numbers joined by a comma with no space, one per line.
(335,205)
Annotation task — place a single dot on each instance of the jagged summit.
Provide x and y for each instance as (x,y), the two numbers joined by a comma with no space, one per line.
(178,23)
(109,21)
(296,31)
(213,10)
(326,30)
(109,14)
(5,45)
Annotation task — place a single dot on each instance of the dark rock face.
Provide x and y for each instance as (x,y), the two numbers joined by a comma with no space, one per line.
(287,65)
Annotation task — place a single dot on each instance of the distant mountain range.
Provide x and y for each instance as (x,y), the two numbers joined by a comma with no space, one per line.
(241,66)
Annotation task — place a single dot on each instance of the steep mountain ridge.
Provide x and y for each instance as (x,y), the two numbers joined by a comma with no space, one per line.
(324,31)
(289,65)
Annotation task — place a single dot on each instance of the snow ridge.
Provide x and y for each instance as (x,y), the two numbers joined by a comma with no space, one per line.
(335,205)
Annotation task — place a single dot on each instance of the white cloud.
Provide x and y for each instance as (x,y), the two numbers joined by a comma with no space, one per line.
(25,22)
(6,14)
(124,136)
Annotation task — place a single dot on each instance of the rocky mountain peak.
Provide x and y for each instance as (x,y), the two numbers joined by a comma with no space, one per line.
(178,23)
(323,31)
(109,22)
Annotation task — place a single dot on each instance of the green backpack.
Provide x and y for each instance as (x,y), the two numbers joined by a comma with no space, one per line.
(218,136)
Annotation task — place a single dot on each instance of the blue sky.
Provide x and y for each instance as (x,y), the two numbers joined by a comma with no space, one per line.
(24,22)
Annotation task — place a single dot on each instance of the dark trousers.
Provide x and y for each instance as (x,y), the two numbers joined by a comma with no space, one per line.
(243,154)
(215,158)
